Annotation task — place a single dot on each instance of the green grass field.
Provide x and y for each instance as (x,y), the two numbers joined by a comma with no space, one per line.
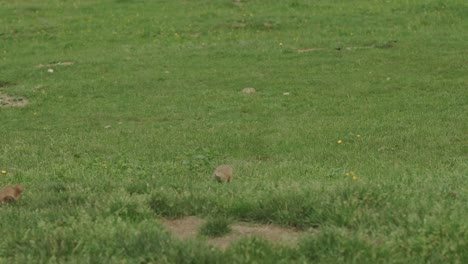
(132,130)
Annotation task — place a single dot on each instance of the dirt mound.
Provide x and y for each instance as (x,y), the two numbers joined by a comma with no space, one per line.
(188,227)
(14,101)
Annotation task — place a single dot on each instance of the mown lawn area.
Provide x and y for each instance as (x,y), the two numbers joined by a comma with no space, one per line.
(357,134)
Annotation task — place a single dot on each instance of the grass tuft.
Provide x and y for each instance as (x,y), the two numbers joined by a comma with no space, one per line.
(215,227)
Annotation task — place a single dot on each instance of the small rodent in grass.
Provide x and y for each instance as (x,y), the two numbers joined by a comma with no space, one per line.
(10,193)
(223,173)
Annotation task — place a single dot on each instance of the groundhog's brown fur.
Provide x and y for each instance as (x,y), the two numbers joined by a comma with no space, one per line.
(223,173)
(10,193)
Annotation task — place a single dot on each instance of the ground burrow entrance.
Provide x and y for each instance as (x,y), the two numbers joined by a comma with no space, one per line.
(188,227)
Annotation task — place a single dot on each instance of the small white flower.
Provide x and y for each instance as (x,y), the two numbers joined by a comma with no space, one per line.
(286,93)
(50,70)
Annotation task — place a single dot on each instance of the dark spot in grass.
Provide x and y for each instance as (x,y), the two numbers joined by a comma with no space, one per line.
(5,83)
(164,206)
(57,187)
(137,188)
(386,45)
(31,9)
(76,199)
(127,211)
(215,227)
(452,194)
(336,173)
(251,24)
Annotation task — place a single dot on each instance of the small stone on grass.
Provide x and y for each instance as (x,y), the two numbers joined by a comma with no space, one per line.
(249,90)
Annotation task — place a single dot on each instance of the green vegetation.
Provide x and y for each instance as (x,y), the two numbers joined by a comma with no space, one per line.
(215,227)
(133,129)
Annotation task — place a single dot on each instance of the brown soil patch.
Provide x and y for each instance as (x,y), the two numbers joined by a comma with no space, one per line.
(387,45)
(188,227)
(14,101)
(183,228)
(309,49)
(64,63)
(249,90)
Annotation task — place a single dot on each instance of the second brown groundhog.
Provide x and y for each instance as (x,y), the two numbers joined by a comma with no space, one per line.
(10,193)
(223,173)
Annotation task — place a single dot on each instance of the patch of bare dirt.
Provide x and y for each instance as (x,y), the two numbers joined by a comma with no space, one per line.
(249,90)
(386,45)
(309,49)
(64,63)
(183,228)
(188,227)
(12,101)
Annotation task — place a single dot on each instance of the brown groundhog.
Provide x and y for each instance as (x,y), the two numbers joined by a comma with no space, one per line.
(10,193)
(223,173)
